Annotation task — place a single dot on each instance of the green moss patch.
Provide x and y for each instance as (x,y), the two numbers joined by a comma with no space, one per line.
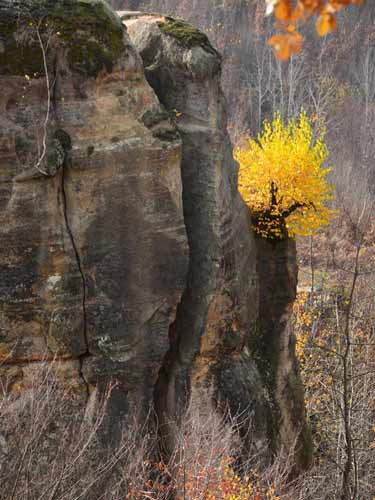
(18,58)
(185,34)
(90,32)
(94,37)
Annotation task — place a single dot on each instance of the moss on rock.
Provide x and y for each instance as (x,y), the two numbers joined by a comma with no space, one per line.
(88,29)
(185,34)
(94,36)
(16,57)
(167,134)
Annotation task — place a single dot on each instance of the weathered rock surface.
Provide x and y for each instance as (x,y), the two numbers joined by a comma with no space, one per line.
(231,25)
(257,85)
(208,360)
(273,345)
(94,252)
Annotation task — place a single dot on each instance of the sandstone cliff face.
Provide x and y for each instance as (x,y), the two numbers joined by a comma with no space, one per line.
(234,352)
(94,251)
(127,254)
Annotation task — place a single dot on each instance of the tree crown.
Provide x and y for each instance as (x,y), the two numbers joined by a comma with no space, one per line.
(282,181)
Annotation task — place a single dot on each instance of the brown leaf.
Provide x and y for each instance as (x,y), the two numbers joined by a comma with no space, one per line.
(295,43)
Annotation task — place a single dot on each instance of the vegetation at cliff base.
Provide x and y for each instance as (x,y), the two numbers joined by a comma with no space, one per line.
(282,179)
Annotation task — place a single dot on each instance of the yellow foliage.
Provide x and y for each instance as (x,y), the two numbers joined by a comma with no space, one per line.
(282,181)
(209,481)
(202,479)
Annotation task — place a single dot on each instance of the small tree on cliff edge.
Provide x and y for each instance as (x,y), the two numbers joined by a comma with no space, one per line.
(282,181)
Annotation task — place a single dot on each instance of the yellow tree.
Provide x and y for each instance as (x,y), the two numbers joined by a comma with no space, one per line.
(282,180)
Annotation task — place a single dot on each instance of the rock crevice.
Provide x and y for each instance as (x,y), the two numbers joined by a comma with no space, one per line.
(65,209)
(231,345)
(95,254)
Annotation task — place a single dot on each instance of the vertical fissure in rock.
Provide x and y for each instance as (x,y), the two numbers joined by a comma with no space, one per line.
(173,387)
(205,179)
(79,265)
(208,365)
(65,143)
(173,394)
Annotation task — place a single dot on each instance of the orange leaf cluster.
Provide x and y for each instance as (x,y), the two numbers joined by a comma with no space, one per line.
(291,12)
(203,479)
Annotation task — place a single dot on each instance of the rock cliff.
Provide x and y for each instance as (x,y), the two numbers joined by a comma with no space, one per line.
(94,250)
(208,358)
(127,255)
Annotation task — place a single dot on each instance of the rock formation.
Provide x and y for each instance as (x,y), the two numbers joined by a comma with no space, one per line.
(94,251)
(273,344)
(208,358)
(230,25)
(127,254)
(243,352)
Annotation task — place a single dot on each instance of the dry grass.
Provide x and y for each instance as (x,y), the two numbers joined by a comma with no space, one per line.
(51,449)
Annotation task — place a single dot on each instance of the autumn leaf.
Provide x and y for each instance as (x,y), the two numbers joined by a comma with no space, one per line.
(326,23)
(295,42)
(281,46)
(289,15)
(283,10)
(286,44)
